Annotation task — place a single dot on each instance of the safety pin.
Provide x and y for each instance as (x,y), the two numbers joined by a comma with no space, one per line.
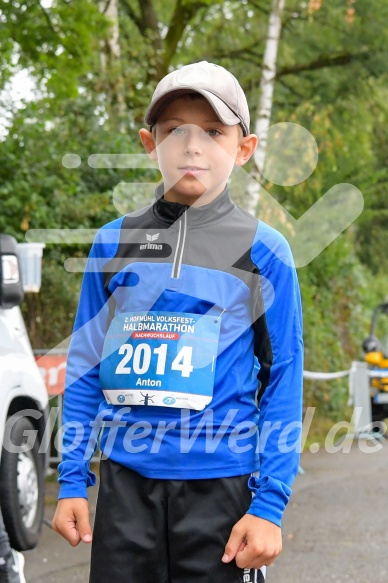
(216,320)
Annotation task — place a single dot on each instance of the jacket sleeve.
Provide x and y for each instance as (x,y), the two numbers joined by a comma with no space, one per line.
(82,398)
(279,349)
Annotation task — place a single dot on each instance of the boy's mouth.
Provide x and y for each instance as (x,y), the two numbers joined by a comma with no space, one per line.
(194,170)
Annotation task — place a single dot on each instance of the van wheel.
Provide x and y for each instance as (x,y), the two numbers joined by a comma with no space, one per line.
(22,488)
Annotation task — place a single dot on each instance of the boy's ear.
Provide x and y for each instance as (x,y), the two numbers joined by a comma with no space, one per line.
(247,146)
(148,142)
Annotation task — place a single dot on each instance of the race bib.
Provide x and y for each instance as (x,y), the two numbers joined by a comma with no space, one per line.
(163,359)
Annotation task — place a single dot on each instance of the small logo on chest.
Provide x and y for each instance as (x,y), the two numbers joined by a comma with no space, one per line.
(150,244)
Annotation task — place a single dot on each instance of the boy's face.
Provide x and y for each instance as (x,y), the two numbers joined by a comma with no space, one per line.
(196,152)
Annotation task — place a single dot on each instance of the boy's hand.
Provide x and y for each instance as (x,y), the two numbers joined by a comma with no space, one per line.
(253,542)
(71,520)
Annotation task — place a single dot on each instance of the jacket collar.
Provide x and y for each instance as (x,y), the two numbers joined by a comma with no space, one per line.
(169,212)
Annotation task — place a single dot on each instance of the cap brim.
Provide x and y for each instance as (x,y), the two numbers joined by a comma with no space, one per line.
(221,109)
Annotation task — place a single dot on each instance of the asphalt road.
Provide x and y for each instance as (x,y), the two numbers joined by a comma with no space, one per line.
(335,528)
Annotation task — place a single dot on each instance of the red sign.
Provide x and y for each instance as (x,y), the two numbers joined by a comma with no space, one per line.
(53,369)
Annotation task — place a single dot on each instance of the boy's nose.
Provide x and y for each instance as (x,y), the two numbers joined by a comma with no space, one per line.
(194,140)
(192,146)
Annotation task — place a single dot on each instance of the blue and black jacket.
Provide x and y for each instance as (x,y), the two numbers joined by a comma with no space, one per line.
(164,266)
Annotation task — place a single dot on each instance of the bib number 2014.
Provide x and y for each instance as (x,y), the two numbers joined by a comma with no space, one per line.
(140,358)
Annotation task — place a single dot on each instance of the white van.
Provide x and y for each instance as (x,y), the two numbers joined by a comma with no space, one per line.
(24,432)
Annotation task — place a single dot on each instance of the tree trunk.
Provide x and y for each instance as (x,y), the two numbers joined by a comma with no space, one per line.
(267,84)
(110,57)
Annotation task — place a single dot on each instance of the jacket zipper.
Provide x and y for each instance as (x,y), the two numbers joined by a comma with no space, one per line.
(176,268)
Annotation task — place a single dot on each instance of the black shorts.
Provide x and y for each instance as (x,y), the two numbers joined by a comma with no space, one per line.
(166,531)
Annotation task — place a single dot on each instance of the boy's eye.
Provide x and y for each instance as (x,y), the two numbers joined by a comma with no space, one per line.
(177,131)
(213,133)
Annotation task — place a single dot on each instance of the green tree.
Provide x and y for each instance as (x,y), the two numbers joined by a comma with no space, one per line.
(58,45)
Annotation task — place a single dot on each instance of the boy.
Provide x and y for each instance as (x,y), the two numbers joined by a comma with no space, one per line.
(189,325)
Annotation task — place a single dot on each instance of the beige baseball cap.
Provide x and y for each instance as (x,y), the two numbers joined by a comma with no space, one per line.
(216,84)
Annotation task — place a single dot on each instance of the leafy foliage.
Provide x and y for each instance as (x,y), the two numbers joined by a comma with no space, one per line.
(58,45)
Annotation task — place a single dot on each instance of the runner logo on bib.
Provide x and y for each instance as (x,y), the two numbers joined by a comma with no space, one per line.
(163,359)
